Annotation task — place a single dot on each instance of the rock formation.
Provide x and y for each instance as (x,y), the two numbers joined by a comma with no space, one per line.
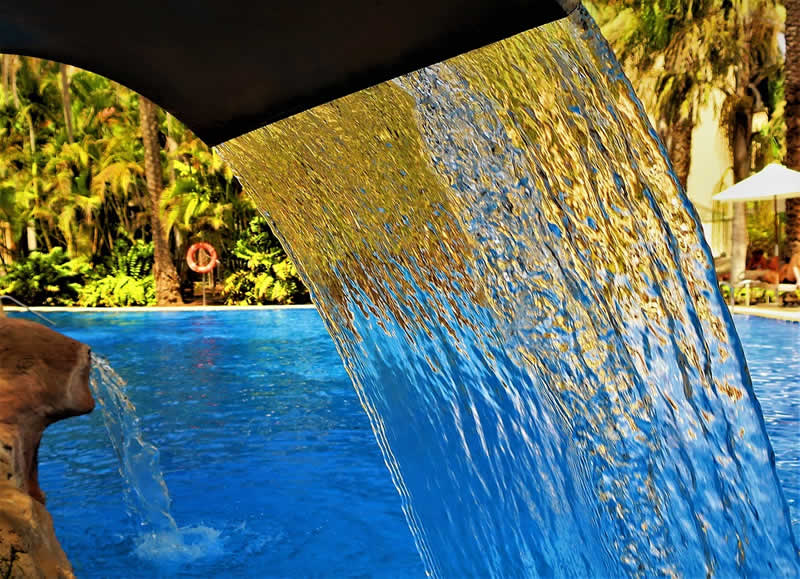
(44,377)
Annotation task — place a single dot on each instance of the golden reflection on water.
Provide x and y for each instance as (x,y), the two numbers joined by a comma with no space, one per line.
(515,199)
(351,183)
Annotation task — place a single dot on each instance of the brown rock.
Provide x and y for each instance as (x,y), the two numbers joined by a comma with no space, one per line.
(44,377)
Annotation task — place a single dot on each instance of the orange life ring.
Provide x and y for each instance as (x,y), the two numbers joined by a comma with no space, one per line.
(192,253)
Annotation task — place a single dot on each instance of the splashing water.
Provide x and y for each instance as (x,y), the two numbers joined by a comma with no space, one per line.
(144,490)
(521,295)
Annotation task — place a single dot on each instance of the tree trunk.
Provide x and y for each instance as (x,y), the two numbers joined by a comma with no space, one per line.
(66,102)
(178,238)
(166,278)
(9,246)
(48,243)
(5,76)
(31,229)
(680,149)
(31,236)
(792,116)
(793,225)
(741,170)
(13,67)
(32,135)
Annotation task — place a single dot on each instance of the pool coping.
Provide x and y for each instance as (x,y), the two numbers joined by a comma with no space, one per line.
(773,314)
(138,309)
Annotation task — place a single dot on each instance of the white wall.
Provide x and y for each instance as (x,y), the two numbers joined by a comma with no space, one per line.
(710,172)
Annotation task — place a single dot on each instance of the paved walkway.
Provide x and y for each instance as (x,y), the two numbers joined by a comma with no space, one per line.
(790,314)
(192,307)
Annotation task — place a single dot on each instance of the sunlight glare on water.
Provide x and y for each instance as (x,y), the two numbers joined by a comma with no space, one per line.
(522,297)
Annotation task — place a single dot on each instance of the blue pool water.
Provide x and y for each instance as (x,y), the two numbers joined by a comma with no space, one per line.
(773,357)
(261,436)
(262,439)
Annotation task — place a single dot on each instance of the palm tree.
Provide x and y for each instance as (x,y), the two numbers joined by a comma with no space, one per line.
(71,163)
(5,77)
(13,69)
(7,211)
(166,277)
(792,89)
(11,155)
(697,47)
(66,101)
(658,44)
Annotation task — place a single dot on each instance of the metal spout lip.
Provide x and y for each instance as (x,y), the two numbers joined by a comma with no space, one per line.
(226,68)
(569,6)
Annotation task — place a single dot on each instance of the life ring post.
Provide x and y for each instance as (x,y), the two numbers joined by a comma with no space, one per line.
(192,255)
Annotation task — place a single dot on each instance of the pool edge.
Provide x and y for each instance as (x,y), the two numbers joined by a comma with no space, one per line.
(156,308)
(786,316)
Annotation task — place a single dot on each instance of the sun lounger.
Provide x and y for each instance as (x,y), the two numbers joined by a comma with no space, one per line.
(788,288)
(774,292)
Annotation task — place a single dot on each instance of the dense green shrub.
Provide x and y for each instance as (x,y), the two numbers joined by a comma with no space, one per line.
(270,277)
(46,279)
(119,291)
(132,259)
(128,281)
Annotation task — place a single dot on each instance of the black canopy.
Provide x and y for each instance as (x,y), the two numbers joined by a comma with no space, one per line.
(225,67)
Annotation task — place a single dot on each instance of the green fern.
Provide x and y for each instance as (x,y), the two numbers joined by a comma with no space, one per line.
(119,291)
(46,279)
(270,277)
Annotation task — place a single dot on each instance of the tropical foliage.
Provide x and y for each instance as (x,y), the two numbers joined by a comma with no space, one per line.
(684,52)
(128,281)
(270,277)
(792,155)
(89,166)
(49,279)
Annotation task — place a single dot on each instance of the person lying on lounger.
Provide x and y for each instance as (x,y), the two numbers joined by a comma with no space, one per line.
(760,267)
(766,275)
(788,271)
(757,260)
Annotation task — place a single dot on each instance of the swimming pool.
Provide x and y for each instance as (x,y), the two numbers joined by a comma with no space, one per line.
(262,438)
(772,349)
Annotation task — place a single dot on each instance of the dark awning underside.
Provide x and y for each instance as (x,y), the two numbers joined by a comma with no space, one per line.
(225,67)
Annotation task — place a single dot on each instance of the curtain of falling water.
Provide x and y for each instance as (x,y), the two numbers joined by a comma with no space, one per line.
(523,299)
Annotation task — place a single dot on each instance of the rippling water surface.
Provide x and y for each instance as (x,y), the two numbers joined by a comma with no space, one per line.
(262,439)
(773,357)
(522,297)
(269,459)
(524,301)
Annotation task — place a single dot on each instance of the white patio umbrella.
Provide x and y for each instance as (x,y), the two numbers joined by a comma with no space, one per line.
(773,182)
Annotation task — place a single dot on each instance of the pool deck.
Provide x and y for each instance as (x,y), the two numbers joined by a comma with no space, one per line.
(764,311)
(45,309)
(772,312)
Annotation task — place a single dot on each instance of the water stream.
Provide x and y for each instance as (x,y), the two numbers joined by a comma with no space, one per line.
(145,492)
(523,298)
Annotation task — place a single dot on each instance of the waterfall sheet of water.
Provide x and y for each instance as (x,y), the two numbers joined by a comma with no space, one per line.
(523,298)
(144,490)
